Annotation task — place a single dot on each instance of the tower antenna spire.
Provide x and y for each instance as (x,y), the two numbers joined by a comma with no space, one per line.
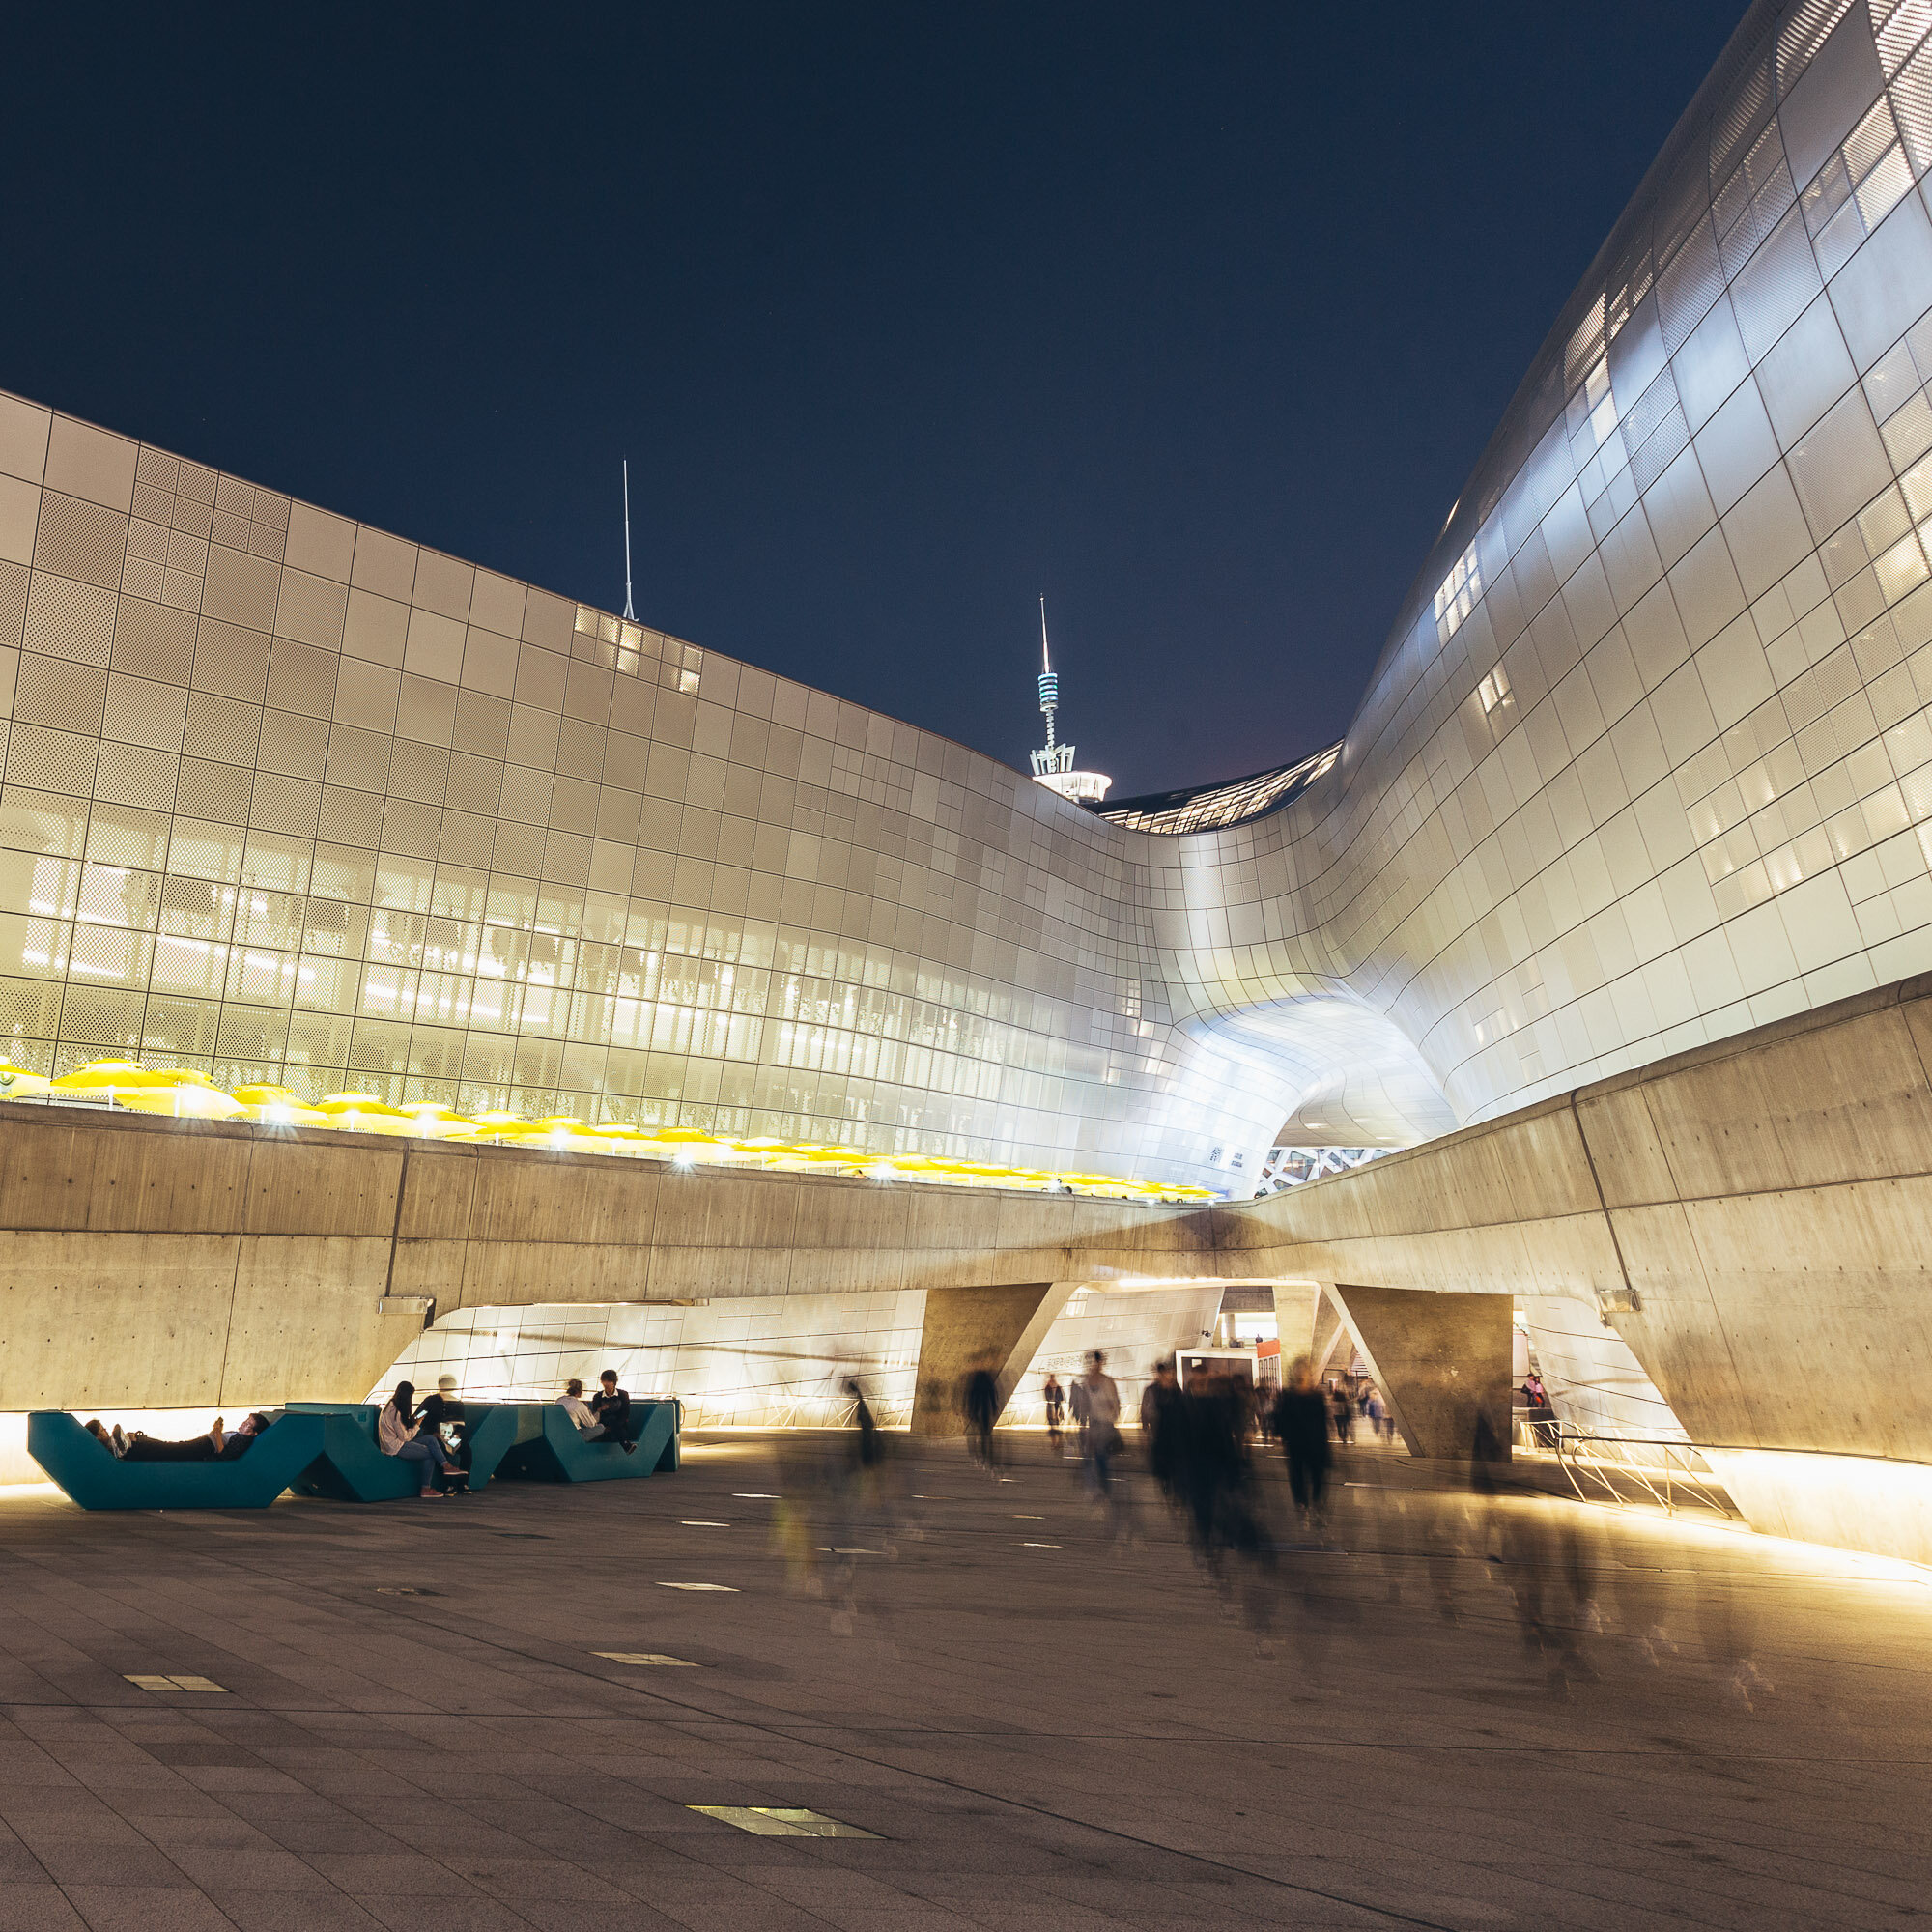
(1052,763)
(631,613)
(1049,685)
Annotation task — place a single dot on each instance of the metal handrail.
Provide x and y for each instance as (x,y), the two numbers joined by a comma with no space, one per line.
(1674,1472)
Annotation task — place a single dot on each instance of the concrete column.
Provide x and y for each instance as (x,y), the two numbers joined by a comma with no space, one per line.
(965,1327)
(1442,1359)
(1297,1310)
(1328,1330)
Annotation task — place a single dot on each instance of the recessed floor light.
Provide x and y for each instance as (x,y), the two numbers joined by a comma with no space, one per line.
(728,1589)
(648,1657)
(780,1821)
(143,1681)
(701,1523)
(1040,1546)
(756,1496)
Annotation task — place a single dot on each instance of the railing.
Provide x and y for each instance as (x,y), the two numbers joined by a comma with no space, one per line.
(1624,1470)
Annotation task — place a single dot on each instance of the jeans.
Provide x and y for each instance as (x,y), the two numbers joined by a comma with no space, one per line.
(601,1432)
(421,1452)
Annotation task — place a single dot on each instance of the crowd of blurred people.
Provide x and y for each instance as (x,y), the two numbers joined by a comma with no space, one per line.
(1284,1552)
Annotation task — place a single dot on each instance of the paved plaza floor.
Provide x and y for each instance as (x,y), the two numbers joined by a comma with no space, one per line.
(1445,1713)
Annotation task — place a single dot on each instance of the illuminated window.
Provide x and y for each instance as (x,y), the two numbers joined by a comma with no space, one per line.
(1593,408)
(1858,187)
(1495,689)
(1458,596)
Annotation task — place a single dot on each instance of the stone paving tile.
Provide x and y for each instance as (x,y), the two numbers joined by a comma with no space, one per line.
(1087,1742)
(38,1908)
(294,1911)
(137,1908)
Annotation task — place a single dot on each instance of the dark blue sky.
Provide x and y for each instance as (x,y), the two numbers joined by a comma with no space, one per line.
(1194,318)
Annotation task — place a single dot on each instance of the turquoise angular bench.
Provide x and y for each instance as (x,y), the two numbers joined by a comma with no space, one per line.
(527,1441)
(328,1449)
(545,1445)
(356,1470)
(97,1479)
(351,1467)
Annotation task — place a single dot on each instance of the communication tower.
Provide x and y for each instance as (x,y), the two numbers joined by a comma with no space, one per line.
(1053,762)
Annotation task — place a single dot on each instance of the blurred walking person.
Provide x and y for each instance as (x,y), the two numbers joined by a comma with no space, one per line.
(1096,1405)
(1056,1412)
(982,1403)
(868,1447)
(1343,1406)
(1162,1428)
(1216,1480)
(1301,1428)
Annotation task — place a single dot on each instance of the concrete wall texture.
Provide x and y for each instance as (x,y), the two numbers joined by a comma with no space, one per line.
(163,1264)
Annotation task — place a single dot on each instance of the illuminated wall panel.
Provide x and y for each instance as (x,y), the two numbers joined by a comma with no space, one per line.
(1646,760)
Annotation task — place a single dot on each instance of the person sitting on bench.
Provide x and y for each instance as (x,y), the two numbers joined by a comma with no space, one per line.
(440,1419)
(611,1406)
(584,1413)
(397,1435)
(573,1404)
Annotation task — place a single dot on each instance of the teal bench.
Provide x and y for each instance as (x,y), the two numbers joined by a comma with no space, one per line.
(97,1479)
(546,1446)
(527,1440)
(351,1468)
(328,1449)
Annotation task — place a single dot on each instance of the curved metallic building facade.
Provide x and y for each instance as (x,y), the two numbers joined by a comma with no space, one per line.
(1645,761)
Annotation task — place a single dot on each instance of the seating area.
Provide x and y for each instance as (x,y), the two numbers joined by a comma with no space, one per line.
(546,1445)
(328,1450)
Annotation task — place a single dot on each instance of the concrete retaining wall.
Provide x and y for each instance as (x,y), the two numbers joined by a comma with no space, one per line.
(175,1264)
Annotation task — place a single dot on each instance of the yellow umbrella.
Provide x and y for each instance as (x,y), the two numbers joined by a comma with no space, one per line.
(160,1089)
(436,1121)
(100,1080)
(265,1105)
(363,1113)
(498,1126)
(17,1084)
(188,1100)
(284,1114)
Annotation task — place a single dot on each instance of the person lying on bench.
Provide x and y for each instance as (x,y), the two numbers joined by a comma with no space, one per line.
(218,1445)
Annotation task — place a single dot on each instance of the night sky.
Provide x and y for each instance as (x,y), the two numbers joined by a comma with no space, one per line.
(1193,318)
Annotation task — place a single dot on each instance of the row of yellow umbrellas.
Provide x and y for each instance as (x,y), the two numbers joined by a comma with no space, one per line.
(184,1094)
